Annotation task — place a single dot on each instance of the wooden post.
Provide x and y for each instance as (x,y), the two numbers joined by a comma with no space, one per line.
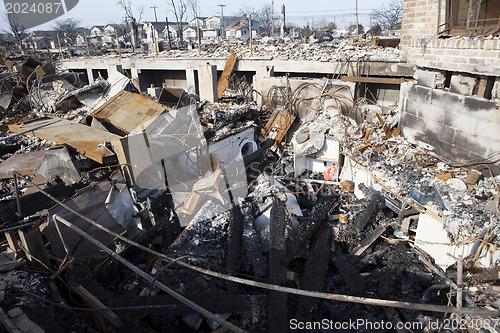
(87,44)
(251,35)
(198,33)
(118,44)
(60,48)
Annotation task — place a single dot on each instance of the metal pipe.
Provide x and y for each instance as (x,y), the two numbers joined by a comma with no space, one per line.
(30,130)
(427,293)
(149,278)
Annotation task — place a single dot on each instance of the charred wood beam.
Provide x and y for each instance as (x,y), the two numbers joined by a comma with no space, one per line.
(234,246)
(278,317)
(373,204)
(315,272)
(350,274)
(308,229)
(162,304)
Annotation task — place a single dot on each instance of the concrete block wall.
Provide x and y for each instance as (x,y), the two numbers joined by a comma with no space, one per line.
(421,46)
(459,127)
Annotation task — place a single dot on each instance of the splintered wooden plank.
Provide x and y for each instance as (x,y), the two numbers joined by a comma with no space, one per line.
(228,69)
(126,111)
(365,243)
(84,139)
(96,304)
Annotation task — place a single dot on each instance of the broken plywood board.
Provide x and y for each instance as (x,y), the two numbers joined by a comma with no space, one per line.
(126,111)
(277,126)
(85,140)
(228,69)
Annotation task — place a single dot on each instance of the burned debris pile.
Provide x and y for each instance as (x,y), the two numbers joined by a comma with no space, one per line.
(127,212)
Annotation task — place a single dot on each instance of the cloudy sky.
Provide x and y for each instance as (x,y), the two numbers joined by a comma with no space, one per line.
(299,12)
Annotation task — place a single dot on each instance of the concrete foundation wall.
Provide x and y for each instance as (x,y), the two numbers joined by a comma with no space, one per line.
(459,127)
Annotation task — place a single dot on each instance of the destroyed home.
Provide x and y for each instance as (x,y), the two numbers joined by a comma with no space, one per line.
(262,186)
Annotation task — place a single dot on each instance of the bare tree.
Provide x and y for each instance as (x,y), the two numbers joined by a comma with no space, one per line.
(67,28)
(132,19)
(13,27)
(389,16)
(266,18)
(179,9)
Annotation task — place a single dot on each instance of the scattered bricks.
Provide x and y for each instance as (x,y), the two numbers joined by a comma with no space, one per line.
(347,185)
(380,148)
(481,89)
(445,176)
(472,177)
(463,85)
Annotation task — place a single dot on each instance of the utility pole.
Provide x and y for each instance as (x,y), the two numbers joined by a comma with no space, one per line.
(168,34)
(154,8)
(251,34)
(153,29)
(357,22)
(222,19)
(282,29)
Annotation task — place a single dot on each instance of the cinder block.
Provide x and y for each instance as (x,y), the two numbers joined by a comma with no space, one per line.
(463,85)
(443,132)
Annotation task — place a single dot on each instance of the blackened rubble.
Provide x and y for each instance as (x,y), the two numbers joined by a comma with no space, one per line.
(311,189)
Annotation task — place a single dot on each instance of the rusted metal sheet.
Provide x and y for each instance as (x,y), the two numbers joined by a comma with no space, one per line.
(25,164)
(228,69)
(85,140)
(126,111)
(278,125)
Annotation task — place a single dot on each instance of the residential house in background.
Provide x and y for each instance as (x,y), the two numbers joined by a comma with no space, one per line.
(189,33)
(36,43)
(173,29)
(105,34)
(151,32)
(97,30)
(40,40)
(240,28)
(198,22)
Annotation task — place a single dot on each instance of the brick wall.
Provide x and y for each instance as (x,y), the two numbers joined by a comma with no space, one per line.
(420,45)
